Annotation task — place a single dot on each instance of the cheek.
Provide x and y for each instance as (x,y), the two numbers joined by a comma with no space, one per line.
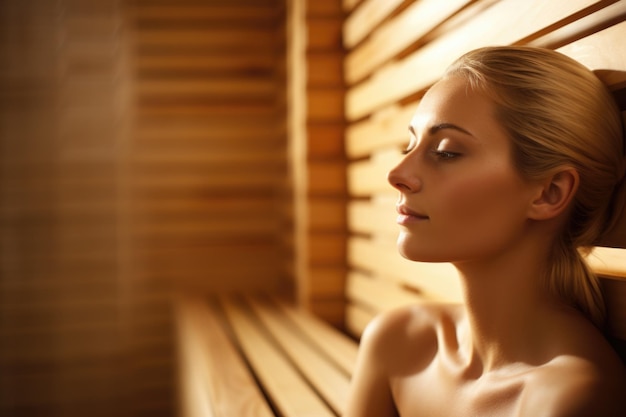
(481,203)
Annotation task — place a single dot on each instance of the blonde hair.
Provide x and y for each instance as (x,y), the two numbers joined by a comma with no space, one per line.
(557,112)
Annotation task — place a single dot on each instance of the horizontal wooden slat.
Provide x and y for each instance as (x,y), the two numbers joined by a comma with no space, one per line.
(422,68)
(349,4)
(250,13)
(219,38)
(377,294)
(594,22)
(188,158)
(609,262)
(326,214)
(326,177)
(434,280)
(387,127)
(363,20)
(413,23)
(370,176)
(357,318)
(235,63)
(212,87)
(603,52)
(373,217)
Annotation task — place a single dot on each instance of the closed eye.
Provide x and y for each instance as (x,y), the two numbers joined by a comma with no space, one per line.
(445,155)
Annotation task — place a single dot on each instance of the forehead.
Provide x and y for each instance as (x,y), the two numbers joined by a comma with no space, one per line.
(451,100)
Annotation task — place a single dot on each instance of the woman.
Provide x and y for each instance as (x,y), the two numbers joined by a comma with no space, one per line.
(513,169)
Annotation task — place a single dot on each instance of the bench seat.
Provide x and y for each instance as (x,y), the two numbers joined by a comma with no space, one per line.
(259,356)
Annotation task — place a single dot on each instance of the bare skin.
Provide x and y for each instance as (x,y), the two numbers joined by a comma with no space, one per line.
(512,349)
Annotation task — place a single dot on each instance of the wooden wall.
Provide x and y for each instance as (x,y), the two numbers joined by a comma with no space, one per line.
(317,157)
(63,131)
(143,153)
(208,155)
(394,51)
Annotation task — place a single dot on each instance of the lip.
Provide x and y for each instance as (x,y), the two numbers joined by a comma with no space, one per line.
(407,215)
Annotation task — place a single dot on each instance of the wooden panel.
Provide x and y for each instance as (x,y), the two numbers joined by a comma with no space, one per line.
(374,217)
(357,318)
(362,22)
(416,72)
(387,127)
(330,381)
(210,364)
(434,280)
(341,349)
(370,176)
(602,52)
(413,23)
(379,295)
(64,288)
(209,129)
(283,382)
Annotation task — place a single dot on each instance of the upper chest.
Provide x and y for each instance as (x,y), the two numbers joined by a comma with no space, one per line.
(438,391)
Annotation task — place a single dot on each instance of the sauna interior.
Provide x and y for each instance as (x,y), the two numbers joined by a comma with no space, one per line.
(156,149)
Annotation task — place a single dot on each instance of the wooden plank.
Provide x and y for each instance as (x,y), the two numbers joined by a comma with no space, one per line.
(506,22)
(349,4)
(339,347)
(370,176)
(397,34)
(283,383)
(214,86)
(373,217)
(177,184)
(387,127)
(215,378)
(227,62)
(326,248)
(186,156)
(326,177)
(236,13)
(326,214)
(378,294)
(364,19)
(357,318)
(595,22)
(324,33)
(437,281)
(608,262)
(330,381)
(603,52)
(219,38)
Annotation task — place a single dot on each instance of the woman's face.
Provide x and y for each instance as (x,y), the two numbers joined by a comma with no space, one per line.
(461,198)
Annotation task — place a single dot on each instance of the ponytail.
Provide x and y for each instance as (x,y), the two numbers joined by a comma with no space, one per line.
(575,283)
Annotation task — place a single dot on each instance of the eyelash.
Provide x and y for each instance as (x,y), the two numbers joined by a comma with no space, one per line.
(445,155)
(442,155)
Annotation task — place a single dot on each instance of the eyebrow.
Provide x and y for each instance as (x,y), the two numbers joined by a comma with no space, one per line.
(442,126)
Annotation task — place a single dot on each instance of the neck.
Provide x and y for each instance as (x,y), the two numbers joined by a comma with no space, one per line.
(505,304)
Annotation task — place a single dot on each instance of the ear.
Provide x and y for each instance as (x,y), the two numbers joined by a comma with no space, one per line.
(555,194)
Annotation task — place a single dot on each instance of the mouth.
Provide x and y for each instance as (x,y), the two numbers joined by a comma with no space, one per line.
(406,214)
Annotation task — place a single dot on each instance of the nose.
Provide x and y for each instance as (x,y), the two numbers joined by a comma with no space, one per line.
(404,177)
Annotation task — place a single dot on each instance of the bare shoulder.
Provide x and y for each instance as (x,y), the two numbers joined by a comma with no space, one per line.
(575,386)
(407,338)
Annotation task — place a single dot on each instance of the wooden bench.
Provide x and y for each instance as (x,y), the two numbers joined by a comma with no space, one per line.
(256,356)
(252,355)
